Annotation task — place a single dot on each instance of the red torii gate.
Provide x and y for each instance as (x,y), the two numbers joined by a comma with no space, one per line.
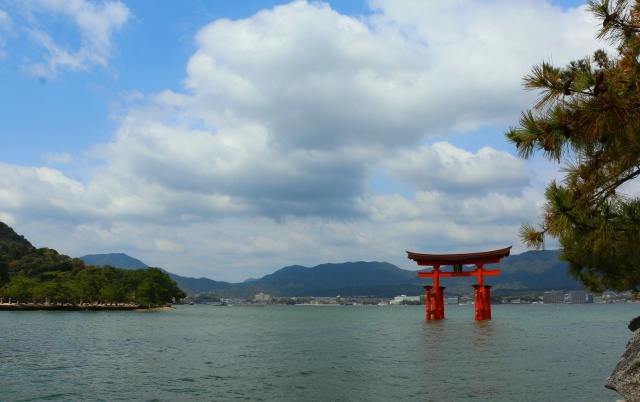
(482,292)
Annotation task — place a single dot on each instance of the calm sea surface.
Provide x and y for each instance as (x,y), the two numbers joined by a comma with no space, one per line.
(309,353)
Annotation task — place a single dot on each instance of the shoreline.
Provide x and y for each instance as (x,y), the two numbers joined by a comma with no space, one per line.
(65,307)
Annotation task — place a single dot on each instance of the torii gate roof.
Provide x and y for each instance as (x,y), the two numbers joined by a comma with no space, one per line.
(486,257)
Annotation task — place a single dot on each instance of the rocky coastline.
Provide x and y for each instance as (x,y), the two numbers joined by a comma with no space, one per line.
(625,378)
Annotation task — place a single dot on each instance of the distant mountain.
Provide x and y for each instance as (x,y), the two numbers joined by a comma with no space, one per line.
(527,272)
(531,271)
(120,260)
(350,278)
(194,286)
(354,278)
(535,270)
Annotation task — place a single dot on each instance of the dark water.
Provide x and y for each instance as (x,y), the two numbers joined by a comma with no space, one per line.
(308,353)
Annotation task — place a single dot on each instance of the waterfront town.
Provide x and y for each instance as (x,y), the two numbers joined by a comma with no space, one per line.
(548,297)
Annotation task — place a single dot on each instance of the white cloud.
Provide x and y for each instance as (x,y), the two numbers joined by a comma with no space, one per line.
(95,24)
(288,118)
(265,159)
(39,193)
(454,170)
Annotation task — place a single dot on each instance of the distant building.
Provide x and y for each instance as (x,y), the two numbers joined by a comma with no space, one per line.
(512,301)
(553,297)
(577,297)
(589,297)
(401,298)
(261,297)
(452,300)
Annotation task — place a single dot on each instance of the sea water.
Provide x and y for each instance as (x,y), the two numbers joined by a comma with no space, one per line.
(314,353)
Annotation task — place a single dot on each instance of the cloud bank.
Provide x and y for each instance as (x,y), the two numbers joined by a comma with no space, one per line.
(304,136)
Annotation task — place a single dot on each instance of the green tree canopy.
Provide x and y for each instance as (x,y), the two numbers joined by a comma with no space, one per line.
(28,274)
(587,118)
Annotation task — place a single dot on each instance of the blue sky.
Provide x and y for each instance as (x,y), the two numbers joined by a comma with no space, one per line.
(228,139)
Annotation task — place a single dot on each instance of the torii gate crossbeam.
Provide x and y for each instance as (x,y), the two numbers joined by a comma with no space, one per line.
(482,293)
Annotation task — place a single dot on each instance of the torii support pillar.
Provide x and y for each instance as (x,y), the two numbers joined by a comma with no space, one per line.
(434,304)
(482,302)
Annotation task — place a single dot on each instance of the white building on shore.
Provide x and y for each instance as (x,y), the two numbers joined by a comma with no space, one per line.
(261,297)
(401,298)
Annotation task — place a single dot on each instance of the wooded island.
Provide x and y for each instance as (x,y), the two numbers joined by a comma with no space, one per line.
(42,276)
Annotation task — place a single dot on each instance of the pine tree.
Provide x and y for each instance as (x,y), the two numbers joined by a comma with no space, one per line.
(587,118)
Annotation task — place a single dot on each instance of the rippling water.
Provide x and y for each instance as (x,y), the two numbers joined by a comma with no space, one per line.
(308,353)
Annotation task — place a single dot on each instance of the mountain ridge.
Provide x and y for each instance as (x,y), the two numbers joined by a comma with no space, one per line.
(124,261)
(531,271)
(118,260)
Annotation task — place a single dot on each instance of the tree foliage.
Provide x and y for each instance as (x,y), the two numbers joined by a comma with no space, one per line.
(587,118)
(37,274)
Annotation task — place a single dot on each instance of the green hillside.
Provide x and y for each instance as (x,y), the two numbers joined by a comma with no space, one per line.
(30,274)
(191,286)
(7,234)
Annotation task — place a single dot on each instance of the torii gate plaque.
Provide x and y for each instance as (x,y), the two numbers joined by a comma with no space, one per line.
(482,293)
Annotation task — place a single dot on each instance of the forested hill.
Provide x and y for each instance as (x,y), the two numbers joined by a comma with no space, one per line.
(31,274)
(360,278)
(7,234)
(120,260)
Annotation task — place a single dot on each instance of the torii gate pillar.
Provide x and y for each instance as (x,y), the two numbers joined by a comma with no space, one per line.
(434,304)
